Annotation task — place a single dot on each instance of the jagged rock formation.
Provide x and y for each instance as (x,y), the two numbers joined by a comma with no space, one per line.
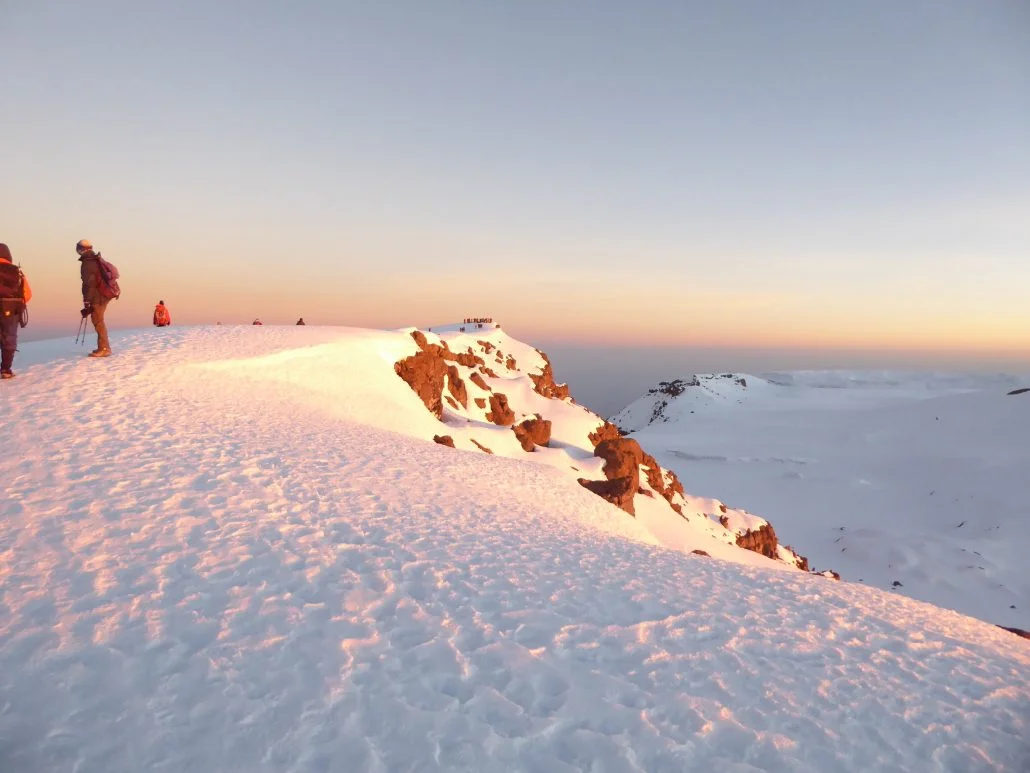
(761,540)
(606,431)
(544,384)
(533,432)
(476,403)
(500,412)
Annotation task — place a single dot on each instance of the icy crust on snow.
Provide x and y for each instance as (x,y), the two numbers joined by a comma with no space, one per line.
(200,570)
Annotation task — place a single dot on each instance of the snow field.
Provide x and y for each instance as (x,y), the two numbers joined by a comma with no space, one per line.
(212,558)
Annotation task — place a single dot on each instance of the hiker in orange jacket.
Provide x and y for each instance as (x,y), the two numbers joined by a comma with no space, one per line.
(162,317)
(15,295)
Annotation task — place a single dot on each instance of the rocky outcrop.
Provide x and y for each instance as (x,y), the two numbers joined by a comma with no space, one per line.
(606,431)
(761,540)
(664,482)
(444,440)
(622,458)
(500,413)
(424,372)
(456,386)
(619,491)
(533,432)
(543,384)
(509,363)
(479,401)
(480,446)
(480,382)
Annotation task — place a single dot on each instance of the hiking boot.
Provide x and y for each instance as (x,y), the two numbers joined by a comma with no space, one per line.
(100,353)
(6,374)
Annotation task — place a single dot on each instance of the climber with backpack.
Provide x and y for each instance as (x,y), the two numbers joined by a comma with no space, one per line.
(15,295)
(99,287)
(162,317)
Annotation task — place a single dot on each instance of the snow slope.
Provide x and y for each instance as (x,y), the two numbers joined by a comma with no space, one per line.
(224,549)
(918,480)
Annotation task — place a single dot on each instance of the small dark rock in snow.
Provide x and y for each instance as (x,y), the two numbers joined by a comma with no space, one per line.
(896,584)
(1022,391)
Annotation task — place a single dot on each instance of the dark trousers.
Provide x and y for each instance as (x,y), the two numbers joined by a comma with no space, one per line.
(97,317)
(8,339)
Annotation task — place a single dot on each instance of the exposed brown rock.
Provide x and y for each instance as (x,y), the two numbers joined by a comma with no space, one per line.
(533,432)
(543,384)
(699,552)
(487,346)
(468,359)
(619,491)
(664,482)
(420,339)
(480,446)
(622,457)
(450,402)
(424,372)
(480,401)
(761,540)
(606,431)
(509,363)
(487,371)
(444,440)
(480,382)
(499,412)
(456,386)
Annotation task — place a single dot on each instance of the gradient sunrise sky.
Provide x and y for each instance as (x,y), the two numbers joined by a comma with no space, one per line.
(802,174)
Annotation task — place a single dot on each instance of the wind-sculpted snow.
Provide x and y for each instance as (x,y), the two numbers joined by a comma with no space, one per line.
(204,570)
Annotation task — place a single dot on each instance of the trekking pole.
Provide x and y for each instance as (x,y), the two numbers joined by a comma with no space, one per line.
(82,331)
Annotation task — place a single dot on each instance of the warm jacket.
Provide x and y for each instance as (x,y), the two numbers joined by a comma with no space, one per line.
(5,257)
(90,270)
(162,316)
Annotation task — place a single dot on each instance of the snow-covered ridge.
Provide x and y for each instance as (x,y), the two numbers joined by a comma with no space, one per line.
(494,394)
(223,549)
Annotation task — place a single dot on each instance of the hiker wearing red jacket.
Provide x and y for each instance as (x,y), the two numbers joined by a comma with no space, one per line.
(162,317)
(15,295)
(93,303)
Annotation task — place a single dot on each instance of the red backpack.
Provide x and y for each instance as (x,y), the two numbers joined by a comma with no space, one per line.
(108,284)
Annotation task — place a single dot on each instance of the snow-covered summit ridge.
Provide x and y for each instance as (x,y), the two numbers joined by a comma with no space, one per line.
(221,549)
(497,395)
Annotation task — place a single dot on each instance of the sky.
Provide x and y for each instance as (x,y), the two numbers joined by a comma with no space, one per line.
(842,181)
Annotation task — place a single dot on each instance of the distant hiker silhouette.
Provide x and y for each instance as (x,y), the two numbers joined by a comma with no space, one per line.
(162,317)
(99,287)
(256,322)
(301,321)
(15,295)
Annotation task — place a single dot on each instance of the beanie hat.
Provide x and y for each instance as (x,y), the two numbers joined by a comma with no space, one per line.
(84,244)
(5,253)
